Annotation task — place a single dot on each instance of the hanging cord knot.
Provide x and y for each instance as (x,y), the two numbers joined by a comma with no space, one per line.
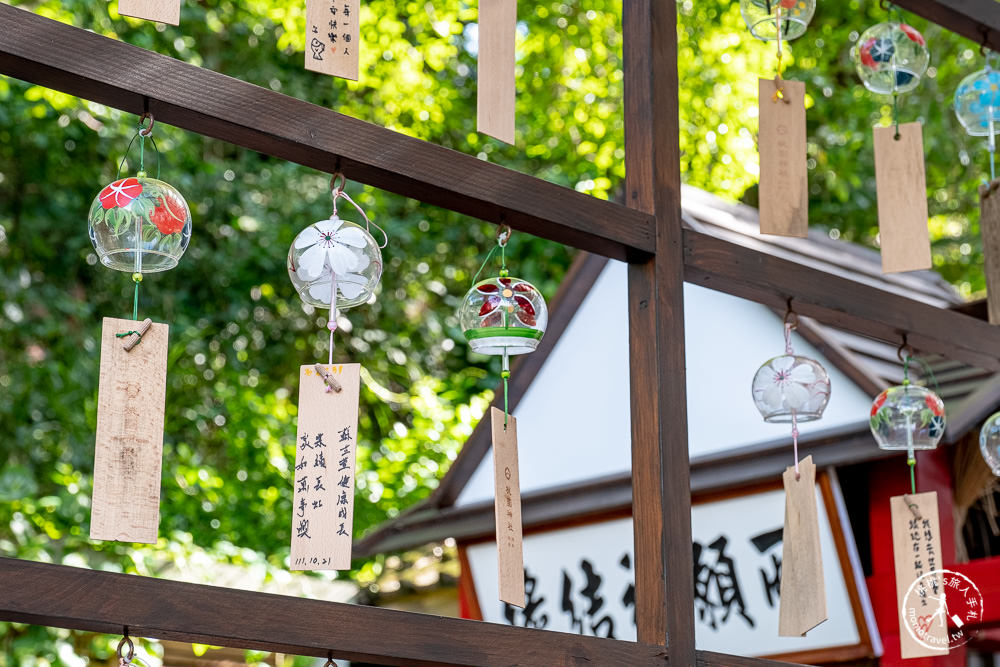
(337,183)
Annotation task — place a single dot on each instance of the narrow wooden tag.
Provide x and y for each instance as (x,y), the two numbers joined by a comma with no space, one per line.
(507,506)
(803,590)
(128,450)
(326,446)
(333,37)
(916,546)
(496,80)
(902,198)
(784,182)
(989,225)
(164,11)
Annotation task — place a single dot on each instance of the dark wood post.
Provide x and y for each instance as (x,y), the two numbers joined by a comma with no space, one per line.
(661,489)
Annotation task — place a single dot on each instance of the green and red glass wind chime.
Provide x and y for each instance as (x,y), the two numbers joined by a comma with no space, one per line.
(138,225)
(503,316)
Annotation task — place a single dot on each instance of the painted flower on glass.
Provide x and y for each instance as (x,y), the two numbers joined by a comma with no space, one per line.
(784,385)
(912,33)
(120,193)
(169,215)
(509,296)
(330,243)
(877,50)
(349,285)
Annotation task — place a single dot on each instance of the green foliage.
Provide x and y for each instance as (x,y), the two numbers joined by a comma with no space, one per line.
(239,332)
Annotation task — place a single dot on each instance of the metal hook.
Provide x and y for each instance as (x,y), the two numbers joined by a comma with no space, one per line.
(503,234)
(146,131)
(984,34)
(335,189)
(125,659)
(329,660)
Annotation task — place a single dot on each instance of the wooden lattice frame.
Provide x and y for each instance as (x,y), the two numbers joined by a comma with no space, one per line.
(646,232)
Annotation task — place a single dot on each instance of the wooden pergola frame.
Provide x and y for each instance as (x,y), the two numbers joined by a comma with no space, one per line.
(646,232)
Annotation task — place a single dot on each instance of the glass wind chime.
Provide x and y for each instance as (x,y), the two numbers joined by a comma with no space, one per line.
(977,105)
(504,316)
(792,389)
(138,225)
(907,417)
(501,315)
(333,264)
(783,188)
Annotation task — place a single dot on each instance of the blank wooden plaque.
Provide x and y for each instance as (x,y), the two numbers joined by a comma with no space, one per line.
(323,501)
(164,11)
(128,451)
(784,182)
(495,78)
(989,226)
(902,198)
(802,605)
(905,555)
(333,37)
(507,507)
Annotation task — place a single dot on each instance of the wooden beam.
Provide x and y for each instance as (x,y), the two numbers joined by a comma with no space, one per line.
(94,601)
(660,476)
(838,302)
(710,659)
(979,20)
(126,77)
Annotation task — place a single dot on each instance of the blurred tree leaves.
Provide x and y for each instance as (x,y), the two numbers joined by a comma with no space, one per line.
(238,331)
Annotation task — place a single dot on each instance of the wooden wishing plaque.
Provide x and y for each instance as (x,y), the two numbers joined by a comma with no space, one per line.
(333,37)
(495,86)
(128,451)
(802,605)
(507,507)
(164,11)
(784,184)
(989,225)
(916,547)
(902,198)
(325,450)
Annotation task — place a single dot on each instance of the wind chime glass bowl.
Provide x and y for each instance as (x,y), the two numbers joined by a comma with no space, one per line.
(890,58)
(334,250)
(989,442)
(977,102)
(763,17)
(907,416)
(790,385)
(503,315)
(139,225)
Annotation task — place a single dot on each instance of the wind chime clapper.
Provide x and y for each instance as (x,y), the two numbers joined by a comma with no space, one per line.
(907,417)
(781,141)
(137,225)
(336,264)
(890,58)
(502,315)
(791,388)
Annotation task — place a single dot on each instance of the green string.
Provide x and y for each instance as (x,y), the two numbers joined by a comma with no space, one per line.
(912,462)
(505,411)
(485,261)
(895,113)
(135,300)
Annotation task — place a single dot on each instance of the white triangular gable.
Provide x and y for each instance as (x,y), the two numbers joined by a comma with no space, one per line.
(574,420)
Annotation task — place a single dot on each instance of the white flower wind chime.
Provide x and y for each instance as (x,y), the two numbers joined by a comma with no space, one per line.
(334,264)
(792,389)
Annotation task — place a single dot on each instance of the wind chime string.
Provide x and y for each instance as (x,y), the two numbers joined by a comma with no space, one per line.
(337,192)
(789,325)
(911,457)
(503,235)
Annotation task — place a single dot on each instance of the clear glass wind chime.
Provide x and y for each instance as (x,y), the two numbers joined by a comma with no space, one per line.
(502,315)
(977,105)
(139,224)
(907,417)
(336,263)
(791,388)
